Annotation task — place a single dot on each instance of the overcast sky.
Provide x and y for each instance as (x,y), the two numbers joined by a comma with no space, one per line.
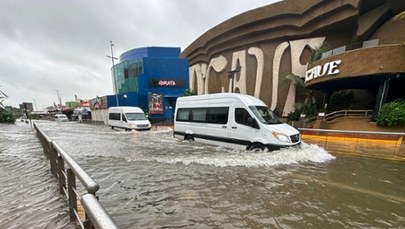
(50,47)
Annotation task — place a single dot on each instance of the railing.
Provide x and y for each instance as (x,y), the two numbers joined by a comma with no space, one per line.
(348,113)
(345,48)
(95,215)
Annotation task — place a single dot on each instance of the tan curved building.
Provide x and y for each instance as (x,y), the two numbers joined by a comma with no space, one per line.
(252,53)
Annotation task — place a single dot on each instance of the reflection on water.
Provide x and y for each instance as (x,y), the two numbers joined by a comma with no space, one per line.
(152,180)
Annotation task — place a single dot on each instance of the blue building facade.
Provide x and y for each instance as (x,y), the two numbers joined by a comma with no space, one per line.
(151,78)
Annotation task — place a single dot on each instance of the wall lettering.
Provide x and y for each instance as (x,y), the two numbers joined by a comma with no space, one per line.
(200,73)
(329,68)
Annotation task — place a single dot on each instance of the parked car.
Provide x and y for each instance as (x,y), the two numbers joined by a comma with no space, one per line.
(61,118)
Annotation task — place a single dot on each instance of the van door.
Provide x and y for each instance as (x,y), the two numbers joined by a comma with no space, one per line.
(218,125)
(241,134)
(124,122)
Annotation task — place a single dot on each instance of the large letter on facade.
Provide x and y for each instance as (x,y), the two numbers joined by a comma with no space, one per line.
(258,53)
(197,73)
(297,47)
(241,83)
(218,64)
(276,72)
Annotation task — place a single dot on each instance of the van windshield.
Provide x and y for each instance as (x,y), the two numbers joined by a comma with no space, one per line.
(265,115)
(135,116)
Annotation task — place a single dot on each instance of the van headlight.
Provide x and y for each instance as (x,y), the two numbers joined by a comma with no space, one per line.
(281,137)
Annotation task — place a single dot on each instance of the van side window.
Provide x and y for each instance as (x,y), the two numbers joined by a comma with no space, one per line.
(114,116)
(199,115)
(241,116)
(183,115)
(216,115)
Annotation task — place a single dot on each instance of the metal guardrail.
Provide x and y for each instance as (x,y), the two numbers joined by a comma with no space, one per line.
(95,214)
(347,113)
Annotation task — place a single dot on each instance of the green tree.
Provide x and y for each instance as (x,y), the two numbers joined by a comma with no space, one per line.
(189,92)
(317,52)
(6,116)
(309,109)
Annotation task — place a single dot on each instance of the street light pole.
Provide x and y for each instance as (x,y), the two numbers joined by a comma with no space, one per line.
(125,98)
(231,75)
(113,72)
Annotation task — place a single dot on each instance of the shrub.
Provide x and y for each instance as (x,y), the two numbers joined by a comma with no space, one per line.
(391,114)
(6,117)
(302,108)
(342,99)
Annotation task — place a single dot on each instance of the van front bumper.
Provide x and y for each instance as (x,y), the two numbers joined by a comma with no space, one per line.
(272,147)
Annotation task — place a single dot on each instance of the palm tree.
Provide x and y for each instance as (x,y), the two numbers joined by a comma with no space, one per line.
(294,79)
(3,96)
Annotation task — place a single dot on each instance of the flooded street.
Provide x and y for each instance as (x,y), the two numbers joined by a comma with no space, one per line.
(152,180)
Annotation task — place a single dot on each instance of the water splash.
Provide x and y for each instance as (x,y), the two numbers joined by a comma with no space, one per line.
(224,157)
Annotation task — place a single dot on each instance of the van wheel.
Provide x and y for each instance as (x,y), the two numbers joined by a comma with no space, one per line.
(112,127)
(189,138)
(257,147)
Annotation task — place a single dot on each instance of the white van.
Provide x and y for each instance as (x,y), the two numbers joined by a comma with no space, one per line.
(232,120)
(61,118)
(128,118)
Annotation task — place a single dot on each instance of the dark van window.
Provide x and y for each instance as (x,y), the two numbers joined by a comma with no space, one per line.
(218,115)
(199,115)
(114,116)
(241,116)
(183,114)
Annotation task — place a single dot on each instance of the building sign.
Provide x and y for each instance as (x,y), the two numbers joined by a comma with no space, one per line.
(98,103)
(155,103)
(166,83)
(329,68)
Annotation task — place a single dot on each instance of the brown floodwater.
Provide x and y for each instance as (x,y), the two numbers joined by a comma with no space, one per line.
(152,180)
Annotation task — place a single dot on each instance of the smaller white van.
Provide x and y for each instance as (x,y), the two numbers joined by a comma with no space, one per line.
(128,118)
(61,118)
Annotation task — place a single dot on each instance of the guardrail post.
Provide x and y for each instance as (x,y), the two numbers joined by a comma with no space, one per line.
(53,157)
(71,194)
(61,176)
(50,156)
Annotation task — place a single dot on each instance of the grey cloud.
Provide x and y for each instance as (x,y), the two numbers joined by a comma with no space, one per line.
(62,45)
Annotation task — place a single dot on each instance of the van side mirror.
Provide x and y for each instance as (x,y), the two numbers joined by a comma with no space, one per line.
(252,123)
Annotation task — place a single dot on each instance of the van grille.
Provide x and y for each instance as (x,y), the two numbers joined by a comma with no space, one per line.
(142,125)
(295,138)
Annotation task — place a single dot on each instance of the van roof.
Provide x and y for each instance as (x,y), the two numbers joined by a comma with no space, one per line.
(126,108)
(248,99)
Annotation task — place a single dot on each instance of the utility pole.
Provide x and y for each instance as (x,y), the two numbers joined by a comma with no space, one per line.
(35,105)
(59,98)
(113,72)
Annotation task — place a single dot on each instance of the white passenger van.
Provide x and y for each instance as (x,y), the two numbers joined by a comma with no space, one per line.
(232,120)
(61,118)
(128,118)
